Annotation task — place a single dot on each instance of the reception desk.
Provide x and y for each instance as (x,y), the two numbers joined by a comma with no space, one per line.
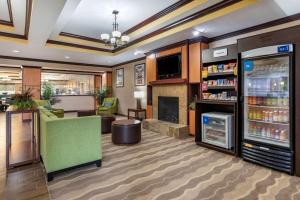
(75,102)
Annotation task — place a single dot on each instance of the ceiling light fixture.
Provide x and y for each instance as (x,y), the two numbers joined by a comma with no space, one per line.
(16,51)
(196,33)
(67,57)
(116,39)
(137,53)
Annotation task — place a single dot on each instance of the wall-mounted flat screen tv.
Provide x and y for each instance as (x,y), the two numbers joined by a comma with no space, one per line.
(169,67)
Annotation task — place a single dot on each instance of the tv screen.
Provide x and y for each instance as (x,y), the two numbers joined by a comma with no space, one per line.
(169,67)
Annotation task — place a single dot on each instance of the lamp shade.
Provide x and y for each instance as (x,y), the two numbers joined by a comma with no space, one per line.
(138,94)
(116,34)
(125,38)
(105,37)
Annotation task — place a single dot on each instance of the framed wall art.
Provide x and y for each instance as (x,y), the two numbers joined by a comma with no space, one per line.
(139,74)
(120,77)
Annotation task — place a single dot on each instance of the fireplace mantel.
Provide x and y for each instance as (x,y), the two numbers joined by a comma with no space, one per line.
(169,81)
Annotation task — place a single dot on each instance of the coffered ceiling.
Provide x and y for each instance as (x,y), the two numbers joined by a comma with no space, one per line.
(69,30)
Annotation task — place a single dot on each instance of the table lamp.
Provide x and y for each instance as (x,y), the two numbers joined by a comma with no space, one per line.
(138,95)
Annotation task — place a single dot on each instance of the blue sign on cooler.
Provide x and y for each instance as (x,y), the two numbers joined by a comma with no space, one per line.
(248,66)
(205,120)
(283,49)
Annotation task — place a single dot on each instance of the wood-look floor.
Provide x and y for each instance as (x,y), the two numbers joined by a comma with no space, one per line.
(26,182)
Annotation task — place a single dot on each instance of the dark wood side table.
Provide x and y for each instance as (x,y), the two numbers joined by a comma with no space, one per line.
(136,113)
(22,152)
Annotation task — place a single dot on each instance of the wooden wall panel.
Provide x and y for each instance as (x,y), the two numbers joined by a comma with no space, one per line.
(192,120)
(98,83)
(150,68)
(149,112)
(107,80)
(194,63)
(168,52)
(31,78)
(184,62)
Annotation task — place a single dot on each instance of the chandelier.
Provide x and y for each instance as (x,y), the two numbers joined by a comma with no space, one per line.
(116,39)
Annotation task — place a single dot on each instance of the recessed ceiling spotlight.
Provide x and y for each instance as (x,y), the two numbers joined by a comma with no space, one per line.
(196,33)
(16,51)
(67,57)
(137,53)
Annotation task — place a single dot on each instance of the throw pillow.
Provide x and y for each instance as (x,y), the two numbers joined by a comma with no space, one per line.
(107,104)
(48,107)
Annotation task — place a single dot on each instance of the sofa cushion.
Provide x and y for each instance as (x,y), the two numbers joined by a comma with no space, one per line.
(48,107)
(108,104)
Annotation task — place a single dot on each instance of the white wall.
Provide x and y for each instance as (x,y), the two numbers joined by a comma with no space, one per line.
(125,94)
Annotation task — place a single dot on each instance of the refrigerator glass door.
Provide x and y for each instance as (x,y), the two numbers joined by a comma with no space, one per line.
(266,104)
(215,132)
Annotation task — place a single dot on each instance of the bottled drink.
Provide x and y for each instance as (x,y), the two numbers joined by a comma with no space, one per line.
(268,132)
(274,101)
(263,132)
(275,115)
(285,101)
(270,118)
(277,134)
(285,116)
(253,100)
(266,118)
(250,114)
(269,101)
(280,116)
(273,133)
(283,135)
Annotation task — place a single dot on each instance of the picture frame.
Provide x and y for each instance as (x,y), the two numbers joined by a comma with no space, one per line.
(120,77)
(139,75)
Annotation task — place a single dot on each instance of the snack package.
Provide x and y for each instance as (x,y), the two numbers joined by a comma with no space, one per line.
(215,68)
(220,68)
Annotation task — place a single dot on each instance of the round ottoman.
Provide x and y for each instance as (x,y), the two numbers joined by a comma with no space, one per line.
(126,132)
(106,121)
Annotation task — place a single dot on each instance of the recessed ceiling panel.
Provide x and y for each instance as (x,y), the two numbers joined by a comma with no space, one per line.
(93,17)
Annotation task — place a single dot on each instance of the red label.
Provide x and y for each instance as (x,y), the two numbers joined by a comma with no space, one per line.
(204,87)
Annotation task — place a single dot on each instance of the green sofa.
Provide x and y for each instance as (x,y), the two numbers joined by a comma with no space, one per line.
(67,143)
(109,109)
(60,113)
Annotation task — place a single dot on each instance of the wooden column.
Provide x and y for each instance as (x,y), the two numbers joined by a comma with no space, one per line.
(97,85)
(31,78)
(107,80)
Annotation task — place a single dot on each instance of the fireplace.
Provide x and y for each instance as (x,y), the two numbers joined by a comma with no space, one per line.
(168,109)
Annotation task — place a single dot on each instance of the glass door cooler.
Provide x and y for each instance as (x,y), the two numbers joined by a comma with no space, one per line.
(217,129)
(267,117)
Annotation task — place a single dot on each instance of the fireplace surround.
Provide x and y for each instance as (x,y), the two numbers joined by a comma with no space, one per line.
(168,109)
(172,90)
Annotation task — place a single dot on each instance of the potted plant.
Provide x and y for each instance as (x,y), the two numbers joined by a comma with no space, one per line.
(102,93)
(23,101)
(48,93)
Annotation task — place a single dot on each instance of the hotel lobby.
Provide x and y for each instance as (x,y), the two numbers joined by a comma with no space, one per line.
(156,100)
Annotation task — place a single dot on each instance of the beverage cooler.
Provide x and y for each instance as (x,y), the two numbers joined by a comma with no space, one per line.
(217,129)
(267,91)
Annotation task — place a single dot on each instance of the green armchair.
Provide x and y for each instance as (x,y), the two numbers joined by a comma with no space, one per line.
(60,113)
(109,106)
